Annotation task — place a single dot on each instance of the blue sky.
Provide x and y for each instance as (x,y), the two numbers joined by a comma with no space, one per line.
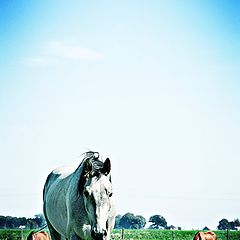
(154,85)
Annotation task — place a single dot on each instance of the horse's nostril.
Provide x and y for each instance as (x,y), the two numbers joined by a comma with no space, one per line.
(104,233)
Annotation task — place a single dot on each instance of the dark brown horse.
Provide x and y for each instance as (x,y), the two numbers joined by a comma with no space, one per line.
(38,236)
(205,236)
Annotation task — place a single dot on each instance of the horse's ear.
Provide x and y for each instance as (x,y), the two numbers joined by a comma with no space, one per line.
(107,166)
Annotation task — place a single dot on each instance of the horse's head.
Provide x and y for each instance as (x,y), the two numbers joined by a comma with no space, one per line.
(97,196)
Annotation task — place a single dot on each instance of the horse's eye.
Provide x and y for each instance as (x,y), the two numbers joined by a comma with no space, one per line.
(86,193)
(110,194)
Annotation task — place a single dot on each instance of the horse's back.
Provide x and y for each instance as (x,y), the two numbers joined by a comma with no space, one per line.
(64,171)
(60,174)
(56,184)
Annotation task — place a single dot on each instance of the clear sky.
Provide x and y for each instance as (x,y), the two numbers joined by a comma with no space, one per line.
(153,85)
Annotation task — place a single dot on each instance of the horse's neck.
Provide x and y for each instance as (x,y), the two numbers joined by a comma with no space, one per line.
(79,170)
(77,180)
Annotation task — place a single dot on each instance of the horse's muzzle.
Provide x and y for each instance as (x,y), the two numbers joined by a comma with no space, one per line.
(98,235)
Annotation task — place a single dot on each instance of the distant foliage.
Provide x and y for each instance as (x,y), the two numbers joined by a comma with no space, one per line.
(117,222)
(157,221)
(224,224)
(9,222)
(130,221)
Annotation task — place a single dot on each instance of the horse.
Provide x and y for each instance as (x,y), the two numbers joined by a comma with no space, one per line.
(209,235)
(42,235)
(78,203)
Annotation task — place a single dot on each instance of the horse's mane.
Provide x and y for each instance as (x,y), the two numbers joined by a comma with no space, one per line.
(93,159)
(91,166)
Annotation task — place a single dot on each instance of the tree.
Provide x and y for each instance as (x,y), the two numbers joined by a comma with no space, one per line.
(22,221)
(126,220)
(40,220)
(117,221)
(129,221)
(10,222)
(139,222)
(31,223)
(157,222)
(2,222)
(15,222)
(232,225)
(223,224)
(237,222)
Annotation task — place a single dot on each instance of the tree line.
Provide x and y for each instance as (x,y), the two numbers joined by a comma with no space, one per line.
(130,221)
(127,221)
(8,222)
(224,224)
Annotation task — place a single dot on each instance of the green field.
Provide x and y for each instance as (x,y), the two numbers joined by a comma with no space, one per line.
(13,234)
(171,235)
(135,234)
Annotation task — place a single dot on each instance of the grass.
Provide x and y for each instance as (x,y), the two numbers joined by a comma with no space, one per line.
(143,234)
(170,235)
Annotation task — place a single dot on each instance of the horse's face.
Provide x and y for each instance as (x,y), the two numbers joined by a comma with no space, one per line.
(97,196)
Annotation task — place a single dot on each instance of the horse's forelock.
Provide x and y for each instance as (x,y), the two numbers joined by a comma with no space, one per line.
(94,166)
(91,155)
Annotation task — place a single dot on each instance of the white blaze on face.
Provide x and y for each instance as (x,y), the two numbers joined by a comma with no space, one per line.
(98,201)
